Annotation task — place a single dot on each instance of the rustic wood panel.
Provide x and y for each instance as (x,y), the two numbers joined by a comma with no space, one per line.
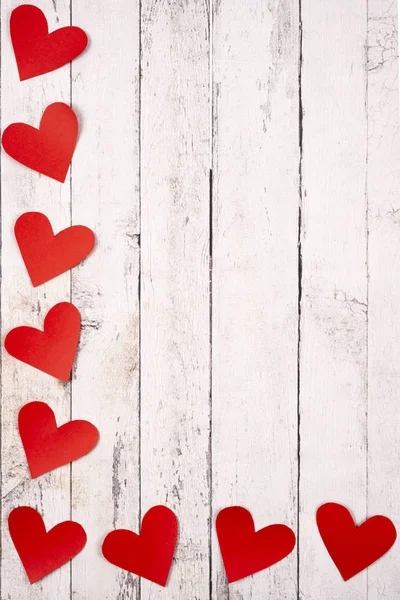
(105,196)
(24,190)
(383,191)
(333,344)
(254,277)
(175,349)
(223,362)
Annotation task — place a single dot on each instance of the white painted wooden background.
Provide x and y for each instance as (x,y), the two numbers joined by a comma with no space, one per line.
(295,240)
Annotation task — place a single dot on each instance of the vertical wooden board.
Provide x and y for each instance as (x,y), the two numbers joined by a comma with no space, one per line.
(254,298)
(384,285)
(105,197)
(24,190)
(175,283)
(333,374)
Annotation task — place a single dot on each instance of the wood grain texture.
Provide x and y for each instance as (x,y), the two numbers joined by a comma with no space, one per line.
(266,377)
(21,304)
(175,350)
(333,344)
(383,191)
(254,277)
(105,196)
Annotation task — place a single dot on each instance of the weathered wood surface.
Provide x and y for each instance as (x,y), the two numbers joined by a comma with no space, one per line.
(254,277)
(175,352)
(240,333)
(383,196)
(21,304)
(105,196)
(333,325)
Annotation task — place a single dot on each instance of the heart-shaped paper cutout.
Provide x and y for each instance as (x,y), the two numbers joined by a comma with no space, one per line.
(36,50)
(47,255)
(246,551)
(48,149)
(47,446)
(149,554)
(353,548)
(52,350)
(42,552)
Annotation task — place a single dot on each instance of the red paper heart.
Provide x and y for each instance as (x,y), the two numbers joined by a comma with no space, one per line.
(47,255)
(38,52)
(246,551)
(52,350)
(48,446)
(42,552)
(149,554)
(48,149)
(353,548)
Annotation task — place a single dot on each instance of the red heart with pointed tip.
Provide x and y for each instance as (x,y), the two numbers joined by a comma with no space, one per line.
(52,350)
(47,255)
(36,50)
(246,551)
(353,548)
(42,552)
(48,149)
(47,446)
(149,554)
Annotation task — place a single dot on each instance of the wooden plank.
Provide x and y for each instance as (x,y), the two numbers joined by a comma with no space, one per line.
(105,196)
(254,327)
(175,283)
(384,284)
(333,375)
(24,190)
